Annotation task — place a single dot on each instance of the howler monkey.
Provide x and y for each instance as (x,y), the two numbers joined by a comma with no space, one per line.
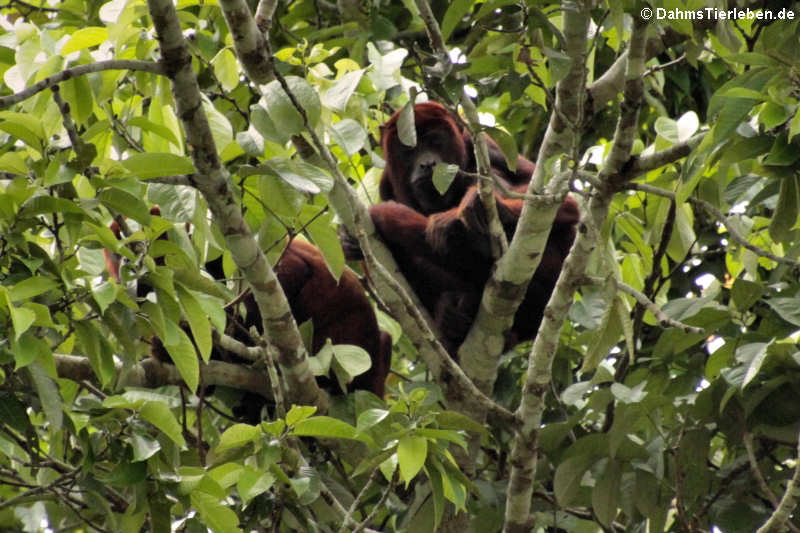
(339,310)
(441,241)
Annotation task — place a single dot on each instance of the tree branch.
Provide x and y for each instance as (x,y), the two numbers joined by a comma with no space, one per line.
(80,70)
(780,517)
(248,40)
(150,373)
(212,181)
(721,218)
(648,304)
(524,453)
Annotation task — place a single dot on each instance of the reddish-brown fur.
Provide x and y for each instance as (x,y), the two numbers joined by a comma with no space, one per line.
(340,311)
(441,242)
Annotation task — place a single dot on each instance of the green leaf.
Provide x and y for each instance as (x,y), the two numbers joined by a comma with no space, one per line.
(607,335)
(443,434)
(198,322)
(683,235)
(753,355)
(435,476)
(339,94)
(787,308)
(772,115)
(456,420)
(349,135)
(353,359)
(85,38)
(406,125)
(42,205)
(215,515)
(26,128)
(560,63)
(281,109)
(221,131)
(253,482)
(605,493)
(785,216)
(454,14)
(156,129)
(782,153)
(13,163)
(182,352)
(303,176)
(567,480)
(143,446)
(298,413)
(324,426)
(733,113)
(155,164)
(507,146)
(370,418)
(226,69)
(160,415)
(443,176)
(324,232)
(13,413)
(746,293)
(237,435)
(125,203)
(30,288)
(794,127)
(411,454)
(264,125)
(49,396)
(626,394)
(100,357)
(667,128)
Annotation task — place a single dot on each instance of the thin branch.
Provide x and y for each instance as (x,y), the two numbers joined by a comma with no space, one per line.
(434,35)
(212,181)
(780,517)
(721,218)
(641,164)
(249,41)
(80,70)
(658,68)
(524,452)
(229,344)
(379,505)
(652,307)
(264,14)
(348,518)
(185,180)
(151,373)
(607,86)
(66,119)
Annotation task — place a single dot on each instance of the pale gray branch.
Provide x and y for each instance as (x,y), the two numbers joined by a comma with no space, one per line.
(248,40)
(212,181)
(80,70)
(151,373)
(720,217)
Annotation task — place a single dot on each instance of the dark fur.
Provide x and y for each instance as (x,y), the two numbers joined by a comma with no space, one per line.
(441,242)
(339,311)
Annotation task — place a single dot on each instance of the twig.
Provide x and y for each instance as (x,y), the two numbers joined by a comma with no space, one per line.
(721,218)
(64,75)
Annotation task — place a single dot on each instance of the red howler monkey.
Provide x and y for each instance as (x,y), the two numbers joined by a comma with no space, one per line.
(441,242)
(340,311)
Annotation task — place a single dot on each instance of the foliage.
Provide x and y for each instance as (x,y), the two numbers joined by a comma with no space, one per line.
(681,421)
